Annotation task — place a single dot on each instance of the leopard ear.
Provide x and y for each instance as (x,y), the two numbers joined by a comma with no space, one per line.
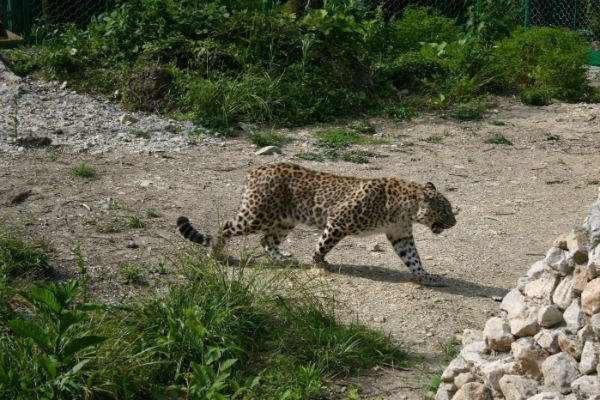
(429,185)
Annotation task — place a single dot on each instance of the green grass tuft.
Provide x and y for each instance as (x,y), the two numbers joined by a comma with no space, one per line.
(341,139)
(84,171)
(500,139)
(309,156)
(434,139)
(269,139)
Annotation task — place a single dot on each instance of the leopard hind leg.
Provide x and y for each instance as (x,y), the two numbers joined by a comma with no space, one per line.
(273,238)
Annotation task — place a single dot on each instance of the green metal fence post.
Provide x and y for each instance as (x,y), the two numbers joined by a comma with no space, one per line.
(526,20)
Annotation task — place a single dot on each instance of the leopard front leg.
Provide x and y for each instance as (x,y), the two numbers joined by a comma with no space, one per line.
(271,241)
(406,250)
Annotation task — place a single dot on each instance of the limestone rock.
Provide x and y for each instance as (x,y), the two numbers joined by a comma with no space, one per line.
(570,344)
(464,378)
(559,371)
(455,368)
(497,334)
(580,281)
(573,315)
(547,396)
(563,294)
(525,324)
(576,243)
(473,391)
(586,333)
(589,358)
(514,303)
(474,354)
(515,387)
(445,391)
(538,269)
(548,340)
(592,224)
(595,324)
(471,336)
(560,260)
(549,315)
(495,370)
(586,386)
(590,297)
(529,356)
(561,242)
(541,288)
(593,266)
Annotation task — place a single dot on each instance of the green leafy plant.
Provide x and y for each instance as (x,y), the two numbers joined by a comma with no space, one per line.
(152,214)
(309,156)
(466,114)
(268,139)
(536,97)
(358,156)
(498,123)
(83,277)
(364,127)
(57,335)
(553,137)
(434,139)
(134,221)
(340,139)
(132,273)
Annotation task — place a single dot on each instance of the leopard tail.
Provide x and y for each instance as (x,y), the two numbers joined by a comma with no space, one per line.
(190,233)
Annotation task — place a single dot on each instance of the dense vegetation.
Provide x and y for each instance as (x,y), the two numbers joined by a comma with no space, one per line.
(219,333)
(224,61)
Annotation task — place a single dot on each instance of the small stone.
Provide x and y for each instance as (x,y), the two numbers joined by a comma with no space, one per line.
(146,183)
(570,344)
(445,391)
(464,378)
(589,357)
(380,318)
(473,391)
(529,356)
(549,315)
(559,371)
(455,368)
(515,387)
(497,334)
(525,324)
(590,297)
(548,340)
(492,372)
(547,396)
(580,280)
(561,242)
(376,248)
(563,294)
(577,246)
(560,260)
(573,316)
(131,244)
(587,386)
(267,151)
(127,118)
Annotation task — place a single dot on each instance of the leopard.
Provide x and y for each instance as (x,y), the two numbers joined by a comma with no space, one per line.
(277,197)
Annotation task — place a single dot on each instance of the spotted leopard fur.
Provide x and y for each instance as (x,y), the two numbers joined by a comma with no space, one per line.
(279,196)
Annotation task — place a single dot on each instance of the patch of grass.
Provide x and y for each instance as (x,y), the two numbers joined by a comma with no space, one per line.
(450,348)
(330,154)
(499,139)
(408,143)
(592,182)
(134,221)
(554,137)
(434,139)
(364,127)
(358,156)
(497,123)
(152,214)
(341,139)
(132,274)
(112,226)
(84,171)
(309,156)
(466,114)
(19,257)
(141,134)
(269,139)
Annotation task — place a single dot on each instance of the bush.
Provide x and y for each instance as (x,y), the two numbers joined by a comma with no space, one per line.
(552,59)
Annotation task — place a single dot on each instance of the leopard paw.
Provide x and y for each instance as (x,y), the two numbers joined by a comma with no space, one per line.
(431,280)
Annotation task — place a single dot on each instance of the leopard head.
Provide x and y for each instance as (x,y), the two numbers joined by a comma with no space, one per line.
(435,210)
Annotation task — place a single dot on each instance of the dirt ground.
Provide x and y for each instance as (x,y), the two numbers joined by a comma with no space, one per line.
(513,201)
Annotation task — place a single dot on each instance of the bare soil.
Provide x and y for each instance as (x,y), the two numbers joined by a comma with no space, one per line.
(513,200)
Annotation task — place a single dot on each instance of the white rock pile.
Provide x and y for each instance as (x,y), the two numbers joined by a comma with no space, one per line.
(545,345)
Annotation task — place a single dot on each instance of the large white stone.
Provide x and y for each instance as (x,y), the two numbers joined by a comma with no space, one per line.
(559,371)
(464,378)
(474,354)
(570,344)
(541,289)
(586,386)
(456,367)
(589,357)
(549,315)
(576,245)
(563,294)
(515,387)
(560,261)
(573,316)
(590,297)
(497,334)
(513,303)
(492,372)
(538,269)
(525,324)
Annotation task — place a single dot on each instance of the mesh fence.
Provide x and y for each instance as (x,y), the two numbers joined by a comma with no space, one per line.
(579,15)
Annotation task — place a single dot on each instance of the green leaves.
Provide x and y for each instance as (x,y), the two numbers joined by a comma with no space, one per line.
(31,330)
